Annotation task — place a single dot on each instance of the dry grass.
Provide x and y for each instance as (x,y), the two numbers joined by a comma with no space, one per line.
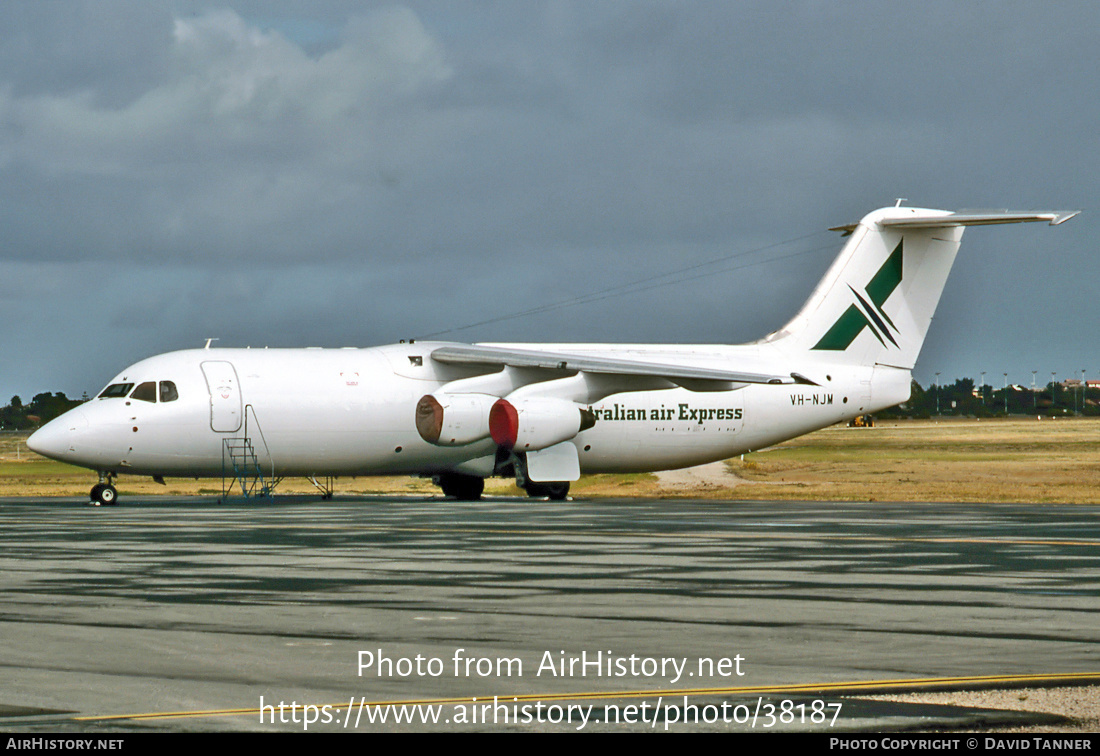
(1010,460)
(1080,705)
(1013,460)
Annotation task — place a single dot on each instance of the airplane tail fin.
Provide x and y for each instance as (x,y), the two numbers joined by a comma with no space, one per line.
(876,301)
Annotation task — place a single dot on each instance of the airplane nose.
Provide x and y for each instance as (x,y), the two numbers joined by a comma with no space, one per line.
(55,438)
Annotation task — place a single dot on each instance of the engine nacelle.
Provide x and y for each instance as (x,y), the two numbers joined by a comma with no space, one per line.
(453,419)
(537,423)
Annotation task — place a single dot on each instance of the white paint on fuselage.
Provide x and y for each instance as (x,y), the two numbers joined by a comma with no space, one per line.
(346,412)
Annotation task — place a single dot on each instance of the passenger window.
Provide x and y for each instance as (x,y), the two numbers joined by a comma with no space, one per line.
(168,391)
(146,392)
(116,390)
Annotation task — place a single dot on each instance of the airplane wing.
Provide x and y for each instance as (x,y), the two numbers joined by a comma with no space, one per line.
(475,354)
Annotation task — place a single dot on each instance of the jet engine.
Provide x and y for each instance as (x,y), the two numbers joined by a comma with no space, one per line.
(537,423)
(453,419)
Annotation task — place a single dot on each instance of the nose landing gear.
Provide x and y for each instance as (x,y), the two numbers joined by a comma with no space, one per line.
(104,493)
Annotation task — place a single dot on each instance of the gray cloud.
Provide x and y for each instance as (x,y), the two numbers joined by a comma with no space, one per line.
(272,173)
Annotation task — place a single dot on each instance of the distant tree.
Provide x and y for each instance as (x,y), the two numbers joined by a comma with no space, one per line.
(43,408)
(14,417)
(961,399)
(47,406)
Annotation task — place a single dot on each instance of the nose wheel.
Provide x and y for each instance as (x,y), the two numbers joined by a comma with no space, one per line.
(104,494)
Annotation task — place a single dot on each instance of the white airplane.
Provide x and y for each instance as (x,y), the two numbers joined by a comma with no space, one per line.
(543,413)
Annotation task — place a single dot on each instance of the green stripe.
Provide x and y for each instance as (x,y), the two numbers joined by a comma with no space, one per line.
(844,330)
(887,278)
(852,321)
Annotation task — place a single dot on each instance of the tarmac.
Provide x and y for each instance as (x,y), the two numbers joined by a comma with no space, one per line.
(362,613)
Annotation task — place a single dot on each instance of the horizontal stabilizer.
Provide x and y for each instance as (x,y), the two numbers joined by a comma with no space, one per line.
(1054,217)
(944,219)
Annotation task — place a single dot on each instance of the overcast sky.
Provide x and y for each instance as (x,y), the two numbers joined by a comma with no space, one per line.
(353,173)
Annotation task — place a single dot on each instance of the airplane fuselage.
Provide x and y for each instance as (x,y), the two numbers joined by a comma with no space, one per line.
(349,412)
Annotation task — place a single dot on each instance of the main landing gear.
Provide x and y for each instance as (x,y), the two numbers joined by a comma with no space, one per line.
(470,488)
(104,493)
(462,487)
(552,491)
(509,463)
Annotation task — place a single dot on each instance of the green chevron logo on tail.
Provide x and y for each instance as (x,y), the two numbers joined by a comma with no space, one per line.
(866,311)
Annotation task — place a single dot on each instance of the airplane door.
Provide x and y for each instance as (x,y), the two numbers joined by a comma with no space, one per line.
(225,396)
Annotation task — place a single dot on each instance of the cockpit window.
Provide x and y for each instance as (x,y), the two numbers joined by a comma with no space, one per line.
(168,391)
(146,392)
(116,390)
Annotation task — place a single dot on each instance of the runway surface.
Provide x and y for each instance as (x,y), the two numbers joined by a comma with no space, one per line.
(186,614)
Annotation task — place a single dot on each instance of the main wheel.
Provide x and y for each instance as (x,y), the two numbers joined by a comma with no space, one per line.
(462,487)
(553,491)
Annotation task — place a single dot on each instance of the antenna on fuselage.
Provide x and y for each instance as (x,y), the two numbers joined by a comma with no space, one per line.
(208,342)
